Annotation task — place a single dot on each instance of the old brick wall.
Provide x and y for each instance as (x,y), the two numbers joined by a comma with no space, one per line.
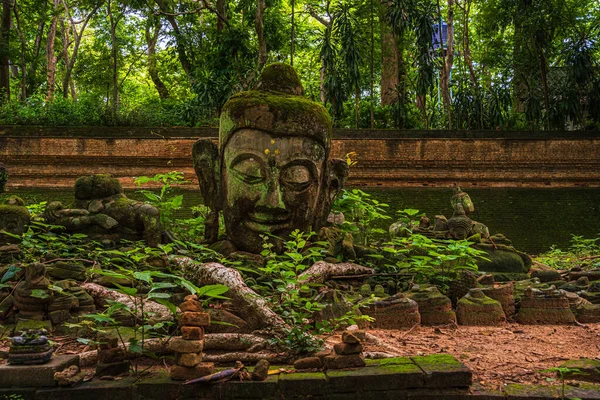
(55,157)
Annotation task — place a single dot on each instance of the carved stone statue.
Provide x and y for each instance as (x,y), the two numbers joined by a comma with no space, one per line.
(14,219)
(103,210)
(271,172)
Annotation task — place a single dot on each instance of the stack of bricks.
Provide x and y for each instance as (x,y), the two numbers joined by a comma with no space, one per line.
(347,354)
(188,348)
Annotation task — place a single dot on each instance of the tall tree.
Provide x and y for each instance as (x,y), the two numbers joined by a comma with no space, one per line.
(4,52)
(51,59)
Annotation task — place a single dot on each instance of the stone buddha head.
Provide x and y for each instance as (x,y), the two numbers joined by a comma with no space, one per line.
(272,162)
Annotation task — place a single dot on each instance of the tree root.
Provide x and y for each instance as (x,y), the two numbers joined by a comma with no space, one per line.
(322,271)
(246,358)
(246,302)
(158,312)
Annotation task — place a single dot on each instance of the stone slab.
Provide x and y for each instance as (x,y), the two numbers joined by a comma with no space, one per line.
(444,371)
(25,376)
(387,374)
(267,389)
(303,384)
(94,390)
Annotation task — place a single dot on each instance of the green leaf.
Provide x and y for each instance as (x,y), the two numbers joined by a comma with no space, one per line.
(39,294)
(126,290)
(143,276)
(10,273)
(212,291)
(159,295)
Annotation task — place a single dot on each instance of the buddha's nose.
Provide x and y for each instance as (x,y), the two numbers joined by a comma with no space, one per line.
(273,198)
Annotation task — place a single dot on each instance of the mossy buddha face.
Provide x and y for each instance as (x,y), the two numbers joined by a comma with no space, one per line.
(270,174)
(271,185)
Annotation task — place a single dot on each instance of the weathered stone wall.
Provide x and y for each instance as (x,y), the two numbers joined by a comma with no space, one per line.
(55,157)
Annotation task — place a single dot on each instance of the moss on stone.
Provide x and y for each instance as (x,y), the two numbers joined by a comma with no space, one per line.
(282,114)
(437,359)
(303,376)
(19,211)
(280,77)
(97,186)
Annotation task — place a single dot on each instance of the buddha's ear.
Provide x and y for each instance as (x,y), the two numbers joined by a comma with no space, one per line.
(205,154)
(338,173)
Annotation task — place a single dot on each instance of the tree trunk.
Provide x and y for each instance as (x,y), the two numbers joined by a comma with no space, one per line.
(356,103)
(467,46)
(372,65)
(221,10)
(389,66)
(114,59)
(65,40)
(152,31)
(179,41)
(50,56)
(292,34)
(262,43)
(22,62)
(70,61)
(447,60)
(4,49)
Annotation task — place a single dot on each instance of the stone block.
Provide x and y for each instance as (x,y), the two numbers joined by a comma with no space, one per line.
(188,359)
(24,376)
(398,373)
(353,337)
(346,349)
(192,332)
(303,384)
(179,345)
(308,363)
(107,356)
(94,390)
(180,373)
(444,371)
(268,389)
(58,317)
(195,319)
(112,369)
(191,305)
(335,361)
(24,325)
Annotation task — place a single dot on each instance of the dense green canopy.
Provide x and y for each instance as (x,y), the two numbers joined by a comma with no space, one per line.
(507,64)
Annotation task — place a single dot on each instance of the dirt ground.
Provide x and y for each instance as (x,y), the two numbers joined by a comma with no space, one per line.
(497,355)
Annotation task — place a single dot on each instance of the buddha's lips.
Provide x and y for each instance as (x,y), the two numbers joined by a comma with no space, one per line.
(267,222)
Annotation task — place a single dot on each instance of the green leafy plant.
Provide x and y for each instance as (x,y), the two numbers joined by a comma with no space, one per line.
(164,200)
(362,213)
(562,373)
(145,286)
(429,260)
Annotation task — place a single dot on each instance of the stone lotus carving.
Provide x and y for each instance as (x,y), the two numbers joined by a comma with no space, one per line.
(270,173)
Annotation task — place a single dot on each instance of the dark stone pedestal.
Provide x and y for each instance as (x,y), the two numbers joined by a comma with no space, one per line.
(27,376)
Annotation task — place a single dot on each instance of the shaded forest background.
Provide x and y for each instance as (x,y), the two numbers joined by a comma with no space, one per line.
(505,64)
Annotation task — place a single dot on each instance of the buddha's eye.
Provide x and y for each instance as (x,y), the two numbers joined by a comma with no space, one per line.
(249,170)
(298,177)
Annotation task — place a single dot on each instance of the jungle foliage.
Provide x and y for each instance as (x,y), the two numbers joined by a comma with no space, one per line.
(506,64)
